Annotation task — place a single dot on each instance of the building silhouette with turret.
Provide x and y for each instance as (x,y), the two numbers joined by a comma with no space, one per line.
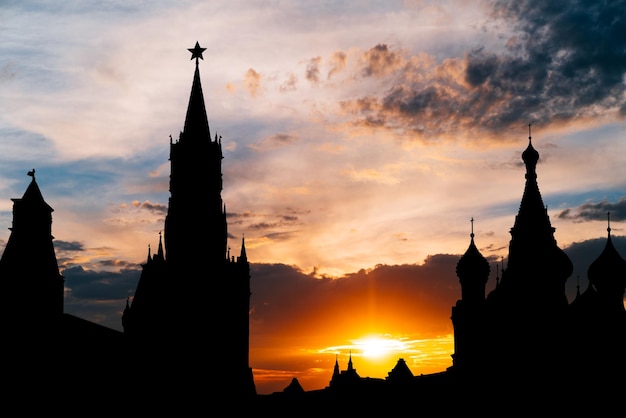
(193,296)
(525,328)
(520,342)
(185,338)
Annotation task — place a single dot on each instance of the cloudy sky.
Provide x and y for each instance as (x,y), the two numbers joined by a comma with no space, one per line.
(359,137)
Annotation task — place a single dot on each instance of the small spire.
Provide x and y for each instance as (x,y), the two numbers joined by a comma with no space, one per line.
(160,252)
(472,221)
(149,255)
(529,135)
(242,256)
(608,221)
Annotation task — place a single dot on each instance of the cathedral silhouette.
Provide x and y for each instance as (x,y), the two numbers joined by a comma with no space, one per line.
(521,345)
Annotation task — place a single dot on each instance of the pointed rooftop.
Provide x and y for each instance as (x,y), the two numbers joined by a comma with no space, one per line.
(32,196)
(196,122)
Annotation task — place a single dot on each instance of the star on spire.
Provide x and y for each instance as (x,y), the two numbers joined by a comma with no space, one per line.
(196,52)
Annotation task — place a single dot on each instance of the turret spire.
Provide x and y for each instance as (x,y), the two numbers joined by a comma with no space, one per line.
(196,122)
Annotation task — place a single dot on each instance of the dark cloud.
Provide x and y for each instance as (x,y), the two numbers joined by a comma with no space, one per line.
(285,299)
(99,296)
(61,245)
(263,222)
(563,61)
(568,58)
(596,211)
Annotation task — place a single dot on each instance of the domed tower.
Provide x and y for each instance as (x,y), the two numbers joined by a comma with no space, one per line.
(537,268)
(599,320)
(529,304)
(607,274)
(468,318)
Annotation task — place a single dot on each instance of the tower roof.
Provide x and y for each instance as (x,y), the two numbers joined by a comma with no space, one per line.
(32,196)
(196,119)
(473,263)
(608,272)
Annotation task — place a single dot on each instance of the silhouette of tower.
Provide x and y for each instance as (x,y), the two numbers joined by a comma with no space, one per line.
(599,312)
(530,298)
(468,315)
(192,300)
(32,285)
(607,274)
(537,268)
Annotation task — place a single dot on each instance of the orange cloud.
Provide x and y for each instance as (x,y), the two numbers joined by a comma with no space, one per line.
(252,82)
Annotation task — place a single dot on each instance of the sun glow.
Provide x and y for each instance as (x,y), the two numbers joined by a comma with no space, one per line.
(375,347)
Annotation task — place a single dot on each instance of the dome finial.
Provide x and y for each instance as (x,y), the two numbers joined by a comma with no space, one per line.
(608,222)
(529,135)
(472,221)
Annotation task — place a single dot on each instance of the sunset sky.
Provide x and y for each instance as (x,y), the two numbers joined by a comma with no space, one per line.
(359,138)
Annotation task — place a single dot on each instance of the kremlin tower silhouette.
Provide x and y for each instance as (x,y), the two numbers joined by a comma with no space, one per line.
(186,330)
(192,302)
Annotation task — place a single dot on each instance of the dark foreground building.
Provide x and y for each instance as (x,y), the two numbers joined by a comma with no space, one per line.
(521,349)
(186,330)
(191,307)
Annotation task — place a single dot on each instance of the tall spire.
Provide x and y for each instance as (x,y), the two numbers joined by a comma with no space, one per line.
(196,121)
(243,257)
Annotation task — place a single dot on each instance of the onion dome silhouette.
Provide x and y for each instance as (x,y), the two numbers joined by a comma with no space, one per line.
(530,156)
(473,271)
(607,273)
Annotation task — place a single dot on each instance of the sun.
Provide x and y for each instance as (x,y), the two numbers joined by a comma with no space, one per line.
(375,347)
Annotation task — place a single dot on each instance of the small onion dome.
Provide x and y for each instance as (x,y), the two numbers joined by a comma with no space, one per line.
(472,263)
(530,156)
(608,272)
